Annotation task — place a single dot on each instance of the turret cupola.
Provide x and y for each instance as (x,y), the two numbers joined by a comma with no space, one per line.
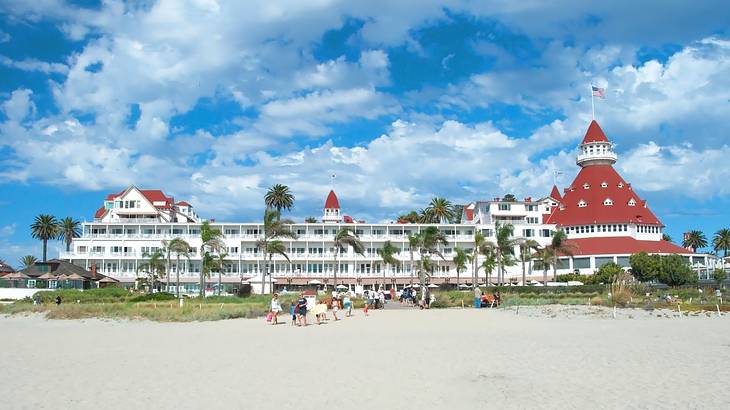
(331,209)
(595,149)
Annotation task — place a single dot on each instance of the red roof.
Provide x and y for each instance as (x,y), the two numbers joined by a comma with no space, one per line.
(183,203)
(100,212)
(587,187)
(469,213)
(332,202)
(555,194)
(348,219)
(622,245)
(594,134)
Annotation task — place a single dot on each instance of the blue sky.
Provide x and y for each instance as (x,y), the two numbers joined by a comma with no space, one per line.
(214,101)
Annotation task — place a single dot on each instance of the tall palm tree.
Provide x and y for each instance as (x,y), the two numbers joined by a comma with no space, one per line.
(430,241)
(504,249)
(559,245)
(45,227)
(489,263)
(414,241)
(346,237)
(387,254)
(411,218)
(545,257)
(721,241)
(27,261)
(460,260)
(526,248)
(219,264)
(180,247)
(481,248)
(211,242)
(695,240)
(70,229)
(440,210)
(273,228)
(279,197)
(154,267)
(275,247)
(310,220)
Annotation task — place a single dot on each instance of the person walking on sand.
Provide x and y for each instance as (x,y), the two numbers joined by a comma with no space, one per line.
(381,296)
(347,305)
(335,306)
(293,313)
(477,297)
(275,309)
(302,310)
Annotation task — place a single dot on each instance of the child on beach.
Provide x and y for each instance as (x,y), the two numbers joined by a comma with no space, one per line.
(347,303)
(335,306)
(275,309)
(293,313)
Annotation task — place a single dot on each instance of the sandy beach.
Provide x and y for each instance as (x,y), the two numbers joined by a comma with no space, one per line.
(438,359)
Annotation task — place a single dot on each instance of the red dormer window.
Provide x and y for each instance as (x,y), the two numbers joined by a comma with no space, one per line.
(604,184)
(582,204)
(620,184)
(608,202)
(632,202)
(586,185)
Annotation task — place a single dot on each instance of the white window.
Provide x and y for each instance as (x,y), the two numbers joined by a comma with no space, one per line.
(604,184)
(504,207)
(608,202)
(620,184)
(632,202)
(586,185)
(582,204)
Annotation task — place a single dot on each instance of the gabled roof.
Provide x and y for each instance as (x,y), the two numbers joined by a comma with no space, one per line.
(469,212)
(622,245)
(332,202)
(594,134)
(59,267)
(183,203)
(348,219)
(594,211)
(555,194)
(5,268)
(100,212)
(152,195)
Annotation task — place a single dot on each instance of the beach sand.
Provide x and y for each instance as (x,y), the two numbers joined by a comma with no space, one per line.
(555,357)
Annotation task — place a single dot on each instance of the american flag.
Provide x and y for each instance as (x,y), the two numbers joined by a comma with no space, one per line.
(598,92)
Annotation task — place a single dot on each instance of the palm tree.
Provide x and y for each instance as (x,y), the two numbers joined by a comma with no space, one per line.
(490,262)
(509,198)
(414,241)
(219,264)
(526,246)
(180,247)
(504,249)
(430,241)
(154,267)
(411,218)
(310,220)
(211,242)
(559,245)
(346,237)
(440,210)
(721,241)
(481,247)
(273,228)
(45,227)
(460,260)
(279,197)
(695,239)
(545,257)
(666,237)
(279,248)
(387,254)
(69,230)
(27,261)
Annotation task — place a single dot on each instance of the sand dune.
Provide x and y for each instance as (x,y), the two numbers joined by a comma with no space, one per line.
(441,359)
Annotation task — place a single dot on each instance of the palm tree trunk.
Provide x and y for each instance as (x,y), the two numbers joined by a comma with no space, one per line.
(167,269)
(337,266)
(271,277)
(411,267)
(45,247)
(499,267)
(555,268)
(220,272)
(524,274)
(544,274)
(68,246)
(457,278)
(177,276)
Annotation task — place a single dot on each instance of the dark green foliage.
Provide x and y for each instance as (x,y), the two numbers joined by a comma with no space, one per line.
(606,273)
(106,295)
(674,271)
(719,275)
(644,267)
(153,297)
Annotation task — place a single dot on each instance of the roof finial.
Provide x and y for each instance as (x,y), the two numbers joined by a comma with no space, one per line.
(332,182)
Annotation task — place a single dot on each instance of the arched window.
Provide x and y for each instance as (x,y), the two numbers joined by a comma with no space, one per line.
(604,184)
(608,202)
(582,204)
(586,185)
(620,184)
(632,202)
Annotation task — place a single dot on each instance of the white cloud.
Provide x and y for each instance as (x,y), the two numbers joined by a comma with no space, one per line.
(7,230)
(4,37)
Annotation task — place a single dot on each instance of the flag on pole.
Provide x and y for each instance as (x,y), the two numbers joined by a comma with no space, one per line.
(598,92)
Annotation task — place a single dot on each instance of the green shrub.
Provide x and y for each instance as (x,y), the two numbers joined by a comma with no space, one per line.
(153,297)
(106,295)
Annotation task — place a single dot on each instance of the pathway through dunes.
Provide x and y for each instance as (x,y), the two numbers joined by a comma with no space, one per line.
(442,359)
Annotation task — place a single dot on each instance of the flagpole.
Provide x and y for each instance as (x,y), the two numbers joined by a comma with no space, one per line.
(593,107)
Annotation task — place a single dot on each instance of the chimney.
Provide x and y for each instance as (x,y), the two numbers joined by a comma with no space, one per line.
(93,271)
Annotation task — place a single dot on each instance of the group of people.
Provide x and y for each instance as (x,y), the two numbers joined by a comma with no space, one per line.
(299,310)
(409,296)
(483,299)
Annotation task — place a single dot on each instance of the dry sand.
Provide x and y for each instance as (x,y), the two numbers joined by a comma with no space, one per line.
(438,359)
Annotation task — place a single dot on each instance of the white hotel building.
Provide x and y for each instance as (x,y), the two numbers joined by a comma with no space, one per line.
(602,215)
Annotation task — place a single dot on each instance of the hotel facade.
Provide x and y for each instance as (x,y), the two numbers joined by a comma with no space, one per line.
(604,218)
